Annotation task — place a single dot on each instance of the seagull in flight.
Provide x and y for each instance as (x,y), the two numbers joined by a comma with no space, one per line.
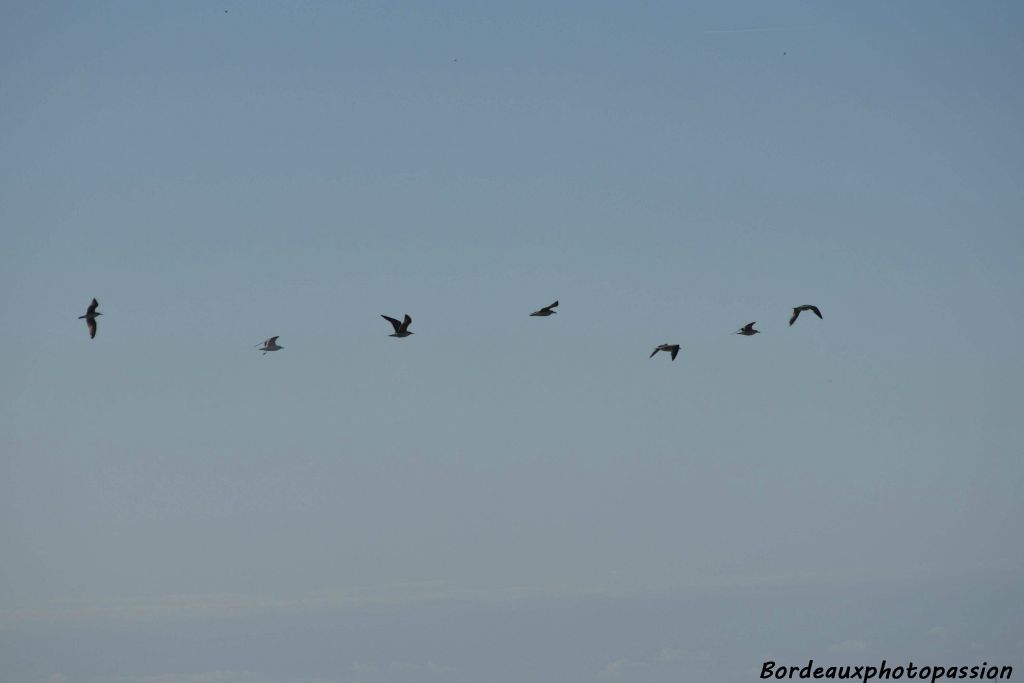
(546,311)
(671,348)
(748,330)
(90,317)
(401,328)
(269,345)
(799,309)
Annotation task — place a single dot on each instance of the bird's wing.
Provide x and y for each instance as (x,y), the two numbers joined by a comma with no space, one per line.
(272,341)
(675,352)
(91,322)
(654,352)
(796,314)
(92,307)
(749,327)
(816,311)
(405,323)
(394,323)
(554,305)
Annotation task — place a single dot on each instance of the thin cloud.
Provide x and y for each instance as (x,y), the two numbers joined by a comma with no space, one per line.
(621,667)
(430,666)
(198,677)
(667,659)
(231,605)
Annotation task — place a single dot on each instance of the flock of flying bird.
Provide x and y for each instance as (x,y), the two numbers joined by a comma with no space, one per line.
(402,326)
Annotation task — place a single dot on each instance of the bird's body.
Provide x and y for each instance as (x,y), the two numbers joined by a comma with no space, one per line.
(401,328)
(90,318)
(748,330)
(270,345)
(546,311)
(673,349)
(799,309)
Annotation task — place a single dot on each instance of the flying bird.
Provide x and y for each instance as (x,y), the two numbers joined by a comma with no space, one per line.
(671,348)
(748,330)
(90,318)
(799,309)
(401,328)
(269,345)
(546,311)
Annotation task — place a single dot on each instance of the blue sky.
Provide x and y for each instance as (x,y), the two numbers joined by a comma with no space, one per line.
(668,171)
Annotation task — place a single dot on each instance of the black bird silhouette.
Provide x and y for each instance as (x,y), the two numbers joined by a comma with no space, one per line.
(401,328)
(805,307)
(671,348)
(748,330)
(546,311)
(90,318)
(269,345)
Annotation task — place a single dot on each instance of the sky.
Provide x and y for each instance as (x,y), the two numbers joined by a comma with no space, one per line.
(503,497)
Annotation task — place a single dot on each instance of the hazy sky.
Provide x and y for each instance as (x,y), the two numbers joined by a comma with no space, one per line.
(501,497)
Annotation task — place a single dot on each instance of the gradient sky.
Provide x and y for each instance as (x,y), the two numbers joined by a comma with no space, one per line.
(217,173)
